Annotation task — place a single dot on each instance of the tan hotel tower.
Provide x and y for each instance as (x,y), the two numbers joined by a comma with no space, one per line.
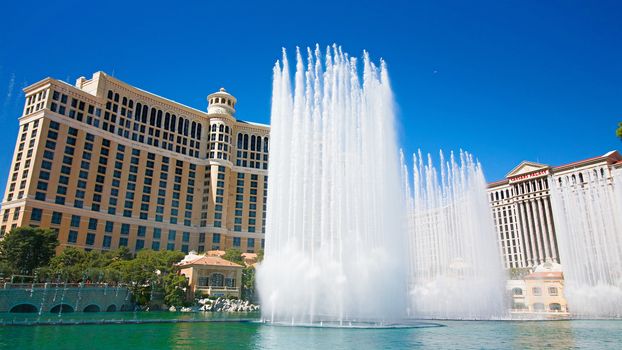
(106,165)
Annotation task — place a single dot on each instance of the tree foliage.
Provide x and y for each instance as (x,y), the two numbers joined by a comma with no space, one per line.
(234,255)
(24,249)
(175,290)
(619,131)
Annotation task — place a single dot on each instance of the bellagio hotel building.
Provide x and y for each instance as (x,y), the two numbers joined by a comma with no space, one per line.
(107,165)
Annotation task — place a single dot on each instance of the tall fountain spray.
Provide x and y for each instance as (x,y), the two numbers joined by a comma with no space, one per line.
(335,232)
(588,219)
(456,270)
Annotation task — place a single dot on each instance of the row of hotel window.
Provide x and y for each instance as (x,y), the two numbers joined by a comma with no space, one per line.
(141,232)
(119,164)
(27,160)
(536,291)
(161,127)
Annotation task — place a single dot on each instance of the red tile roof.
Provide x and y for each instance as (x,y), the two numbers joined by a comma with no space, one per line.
(209,261)
(545,275)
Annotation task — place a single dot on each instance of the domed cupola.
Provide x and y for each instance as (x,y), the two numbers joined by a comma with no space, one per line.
(221,102)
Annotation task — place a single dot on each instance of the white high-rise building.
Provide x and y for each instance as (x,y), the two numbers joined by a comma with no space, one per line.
(522,209)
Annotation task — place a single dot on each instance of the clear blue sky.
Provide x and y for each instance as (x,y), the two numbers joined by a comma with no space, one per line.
(505,80)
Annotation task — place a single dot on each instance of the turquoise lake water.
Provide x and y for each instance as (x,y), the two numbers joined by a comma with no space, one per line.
(243,332)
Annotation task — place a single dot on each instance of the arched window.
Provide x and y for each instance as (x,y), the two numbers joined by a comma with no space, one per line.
(167,120)
(265,144)
(131,104)
(138,111)
(214,127)
(180,125)
(110,94)
(173,122)
(239,141)
(245,141)
(580,178)
(159,120)
(152,118)
(124,101)
(602,173)
(144,114)
(221,128)
(116,97)
(258,143)
(253,142)
(186,127)
(555,307)
(226,129)
(199,131)
(193,130)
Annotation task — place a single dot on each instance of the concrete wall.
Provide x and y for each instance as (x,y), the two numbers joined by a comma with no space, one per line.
(49,298)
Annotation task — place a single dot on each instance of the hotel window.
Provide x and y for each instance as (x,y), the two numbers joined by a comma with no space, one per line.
(90,238)
(140,244)
(36,214)
(56,218)
(236,241)
(73,237)
(171,235)
(125,229)
(92,224)
(75,221)
(216,238)
(157,232)
(553,291)
(170,246)
(155,245)
(536,291)
(107,241)
(122,242)
(250,244)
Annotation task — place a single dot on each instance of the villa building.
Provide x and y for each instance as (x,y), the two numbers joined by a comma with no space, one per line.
(522,208)
(212,275)
(540,292)
(106,165)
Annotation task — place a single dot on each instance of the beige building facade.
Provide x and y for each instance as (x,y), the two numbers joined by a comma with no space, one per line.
(106,165)
(211,275)
(540,292)
(522,209)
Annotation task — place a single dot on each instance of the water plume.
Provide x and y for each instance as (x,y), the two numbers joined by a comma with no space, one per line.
(335,230)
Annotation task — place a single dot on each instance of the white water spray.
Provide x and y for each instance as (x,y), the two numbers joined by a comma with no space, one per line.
(335,235)
(456,270)
(588,219)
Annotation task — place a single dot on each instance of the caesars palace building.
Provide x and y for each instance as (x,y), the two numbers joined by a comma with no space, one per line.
(522,209)
(107,165)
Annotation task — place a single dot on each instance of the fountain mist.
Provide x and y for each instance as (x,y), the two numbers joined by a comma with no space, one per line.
(588,219)
(456,270)
(335,232)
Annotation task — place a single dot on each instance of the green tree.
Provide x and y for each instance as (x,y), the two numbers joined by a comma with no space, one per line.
(24,249)
(248,283)
(619,131)
(234,255)
(175,290)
